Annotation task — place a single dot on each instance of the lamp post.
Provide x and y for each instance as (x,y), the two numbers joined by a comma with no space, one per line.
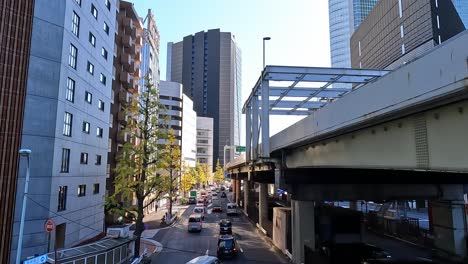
(23,153)
(265,38)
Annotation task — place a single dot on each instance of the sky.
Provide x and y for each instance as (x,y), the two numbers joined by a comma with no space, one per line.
(298,30)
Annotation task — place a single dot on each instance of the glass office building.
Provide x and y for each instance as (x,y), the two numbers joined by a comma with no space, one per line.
(462,9)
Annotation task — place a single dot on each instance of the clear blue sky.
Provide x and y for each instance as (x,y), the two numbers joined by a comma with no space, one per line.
(298,31)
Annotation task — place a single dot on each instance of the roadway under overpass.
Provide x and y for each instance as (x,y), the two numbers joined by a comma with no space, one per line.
(399,136)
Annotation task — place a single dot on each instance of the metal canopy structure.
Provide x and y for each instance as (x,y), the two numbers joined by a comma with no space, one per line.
(287,90)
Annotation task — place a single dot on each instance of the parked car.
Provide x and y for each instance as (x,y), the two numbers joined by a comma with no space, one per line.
(357,252)
(227,246)
(204,260)
(225,227)
(223,195)
(200,210)
(195,223)
(232,209)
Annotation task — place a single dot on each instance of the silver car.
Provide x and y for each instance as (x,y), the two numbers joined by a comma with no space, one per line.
(195,223)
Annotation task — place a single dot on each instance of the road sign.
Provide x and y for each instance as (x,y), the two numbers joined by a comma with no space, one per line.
(49,226)
(37,260)
(240,148)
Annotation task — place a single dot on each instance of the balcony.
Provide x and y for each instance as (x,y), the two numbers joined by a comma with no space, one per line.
(133,33)
(133,49)
(133,68)
(132,86)
(121,137)
(138,40)
(125,60)
(127,41)
(123,97)
(122,118)
(128,24)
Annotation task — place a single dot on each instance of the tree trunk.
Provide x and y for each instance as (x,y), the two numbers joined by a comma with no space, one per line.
(139,228)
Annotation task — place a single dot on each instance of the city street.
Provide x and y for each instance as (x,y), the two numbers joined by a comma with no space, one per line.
(180,246)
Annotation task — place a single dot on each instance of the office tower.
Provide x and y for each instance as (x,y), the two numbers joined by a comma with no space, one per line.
(65,124)
(125,84)
(462,8)
(396,32)
(344,17)
(205,142)
(150,51)
(189,132)
(15,43)
(208,64)
(170,96)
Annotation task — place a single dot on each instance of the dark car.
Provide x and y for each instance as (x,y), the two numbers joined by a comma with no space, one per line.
(352,252)
(223,189)
(227,247)
(223,195)
(225,227)
(192,200)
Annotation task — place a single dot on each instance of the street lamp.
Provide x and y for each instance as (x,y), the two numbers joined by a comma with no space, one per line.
(265,38)
(23,153)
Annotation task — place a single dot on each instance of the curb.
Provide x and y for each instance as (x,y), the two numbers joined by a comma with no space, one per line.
(158,246)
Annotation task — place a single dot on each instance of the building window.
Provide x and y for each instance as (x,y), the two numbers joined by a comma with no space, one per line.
(67,124)
(89,97)
(101,105)
(70,92)
(86,127)
(84,158)
(92,39)
(98,159)
(62,198)
(103,79)
(75,24)
(108,5)
(81,190)
(65,160)
(90,68)
(99,132)
(72,56)
(96,188)
(94,11)
(106,28)
(104,53)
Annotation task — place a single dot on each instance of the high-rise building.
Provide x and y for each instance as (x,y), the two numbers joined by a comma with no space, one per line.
(150,51)
(189,132)
(205,142)
(15,44)
(462,9)
(345,16)
(65,124)
(208,64)
(396,32)
(125,84)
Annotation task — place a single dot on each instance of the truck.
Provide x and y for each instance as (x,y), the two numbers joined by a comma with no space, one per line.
(193,197)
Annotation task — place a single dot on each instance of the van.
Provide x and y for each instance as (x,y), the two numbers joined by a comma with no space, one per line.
(231,209)
(195,223)
(217,206)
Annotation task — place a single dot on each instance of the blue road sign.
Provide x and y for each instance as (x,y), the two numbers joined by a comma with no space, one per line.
(37,260)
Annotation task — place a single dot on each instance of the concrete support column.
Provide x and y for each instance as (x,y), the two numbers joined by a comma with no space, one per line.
(234,189)
(263,204)
(303,228)
(449,223)
(238,192)
(246,195)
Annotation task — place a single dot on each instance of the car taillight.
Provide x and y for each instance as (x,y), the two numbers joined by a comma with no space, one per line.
(234,249)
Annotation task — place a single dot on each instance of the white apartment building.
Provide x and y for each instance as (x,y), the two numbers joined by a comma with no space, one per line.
(189,132)
(205,141)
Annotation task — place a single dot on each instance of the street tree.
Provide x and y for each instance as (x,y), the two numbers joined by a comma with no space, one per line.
(219,173)
(137,184)
(188,179)
(201,174)
(171,165)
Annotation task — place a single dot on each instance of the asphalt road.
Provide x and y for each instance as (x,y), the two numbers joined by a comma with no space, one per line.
(180,246)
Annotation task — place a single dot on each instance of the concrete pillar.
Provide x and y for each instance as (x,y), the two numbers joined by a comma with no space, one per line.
(246,196)
(238,192)
(263,204)
(449,223)
(303,228)
(233,185)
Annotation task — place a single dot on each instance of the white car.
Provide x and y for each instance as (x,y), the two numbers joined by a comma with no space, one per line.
(204,260)
(200,210)
(195,223)
(232,209)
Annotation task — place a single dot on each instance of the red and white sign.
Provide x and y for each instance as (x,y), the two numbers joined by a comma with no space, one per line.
(49,226)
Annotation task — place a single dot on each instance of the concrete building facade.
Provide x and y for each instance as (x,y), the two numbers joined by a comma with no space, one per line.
(205,142)
(125,84)
(189,132)
(66,119)
(171,97)
(344,17)
(208,64)
(150,51)
(15,44)
(396,32)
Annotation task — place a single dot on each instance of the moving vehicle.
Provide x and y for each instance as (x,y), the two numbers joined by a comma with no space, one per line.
(200,210)
(227,246)
(192,200)
(223,189)
(204,260)
(200,202)
(225,227)
(223,195)
(214,195)
(232,209)
(195,223)
(216,206)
